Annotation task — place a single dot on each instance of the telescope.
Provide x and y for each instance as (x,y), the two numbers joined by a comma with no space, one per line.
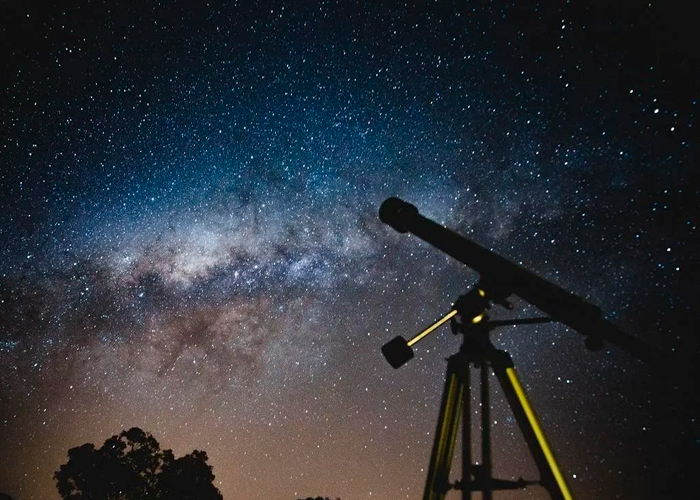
(499,279)
(506,278)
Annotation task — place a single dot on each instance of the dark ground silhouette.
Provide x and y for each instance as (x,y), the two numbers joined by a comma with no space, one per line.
(131,466)
(317,498)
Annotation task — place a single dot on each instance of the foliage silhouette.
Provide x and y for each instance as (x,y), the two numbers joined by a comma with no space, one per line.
(131,466)
(317,498)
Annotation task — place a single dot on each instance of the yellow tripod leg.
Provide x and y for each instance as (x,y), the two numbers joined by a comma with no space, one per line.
(437,481)
(538,433)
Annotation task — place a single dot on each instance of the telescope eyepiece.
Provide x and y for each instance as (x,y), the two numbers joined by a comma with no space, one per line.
(398,214)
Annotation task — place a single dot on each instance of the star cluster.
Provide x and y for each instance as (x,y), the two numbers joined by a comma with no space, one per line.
(188,210)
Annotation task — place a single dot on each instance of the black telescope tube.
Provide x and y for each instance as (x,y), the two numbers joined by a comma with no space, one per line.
(508,278)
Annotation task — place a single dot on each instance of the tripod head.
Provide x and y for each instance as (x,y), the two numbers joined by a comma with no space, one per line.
(467,317)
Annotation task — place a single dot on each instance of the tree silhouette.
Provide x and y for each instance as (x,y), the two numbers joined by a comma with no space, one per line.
(189,478)
(131,466)
(317,498)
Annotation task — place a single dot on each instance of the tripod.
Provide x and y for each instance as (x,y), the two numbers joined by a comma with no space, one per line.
(478,350)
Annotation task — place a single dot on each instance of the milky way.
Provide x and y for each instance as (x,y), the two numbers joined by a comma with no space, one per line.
(191,242)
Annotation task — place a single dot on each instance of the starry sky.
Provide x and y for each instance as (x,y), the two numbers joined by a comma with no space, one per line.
(190,242)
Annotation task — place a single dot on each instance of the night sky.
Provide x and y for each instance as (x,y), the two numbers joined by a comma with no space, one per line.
(190,240)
